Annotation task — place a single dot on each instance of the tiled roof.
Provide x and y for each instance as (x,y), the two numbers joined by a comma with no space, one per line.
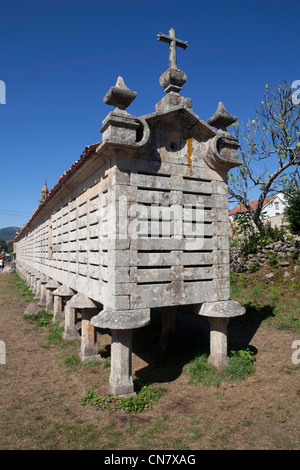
(62,179)
(241,208)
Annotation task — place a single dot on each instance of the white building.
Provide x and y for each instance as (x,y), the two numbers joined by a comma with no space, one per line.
(273,209)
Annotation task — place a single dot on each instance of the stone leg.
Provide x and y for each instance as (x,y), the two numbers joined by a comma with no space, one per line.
(58,313)
(70,331)
(49,300)
(218,341)
(168,325)
(120,381)
(89,349)
(38,290)
(43,295)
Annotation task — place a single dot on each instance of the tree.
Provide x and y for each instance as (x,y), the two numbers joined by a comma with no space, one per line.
(3,245)
(270,150)
(292,209)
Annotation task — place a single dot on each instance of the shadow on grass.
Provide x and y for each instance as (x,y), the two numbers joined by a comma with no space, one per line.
(190,339)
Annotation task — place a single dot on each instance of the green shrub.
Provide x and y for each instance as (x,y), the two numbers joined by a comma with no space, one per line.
(273,261)
(253,267)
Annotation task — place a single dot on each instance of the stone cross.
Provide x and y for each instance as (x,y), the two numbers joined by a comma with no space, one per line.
(173,42)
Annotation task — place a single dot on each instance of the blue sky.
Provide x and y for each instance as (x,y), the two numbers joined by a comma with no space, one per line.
(59,58)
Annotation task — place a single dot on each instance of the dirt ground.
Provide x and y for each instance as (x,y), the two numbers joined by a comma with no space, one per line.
(40,400)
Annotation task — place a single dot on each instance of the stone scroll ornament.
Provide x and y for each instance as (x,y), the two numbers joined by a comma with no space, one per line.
(120,127)
(223,148)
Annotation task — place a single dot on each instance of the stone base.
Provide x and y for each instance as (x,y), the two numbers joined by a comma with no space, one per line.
(90,358)
(69,337)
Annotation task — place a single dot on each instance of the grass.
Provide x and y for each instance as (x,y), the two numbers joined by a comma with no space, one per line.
(23,288)
(240,366)
(184,416)
(279,296)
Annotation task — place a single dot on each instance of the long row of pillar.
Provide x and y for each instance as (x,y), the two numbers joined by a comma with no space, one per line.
(65,303)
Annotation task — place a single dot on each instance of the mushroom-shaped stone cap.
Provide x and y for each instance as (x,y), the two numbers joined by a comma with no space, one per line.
(123,320)
(81,301)
(222,118)
(222,309)
(119,95)
(51,284)
(64,291)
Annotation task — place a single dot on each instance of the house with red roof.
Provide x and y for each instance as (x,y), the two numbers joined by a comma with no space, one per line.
(273,208)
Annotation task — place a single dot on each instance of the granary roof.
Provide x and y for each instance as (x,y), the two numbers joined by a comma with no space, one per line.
(188,114)
(88,151)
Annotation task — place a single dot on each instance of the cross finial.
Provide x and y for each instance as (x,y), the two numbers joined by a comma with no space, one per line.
(173,43)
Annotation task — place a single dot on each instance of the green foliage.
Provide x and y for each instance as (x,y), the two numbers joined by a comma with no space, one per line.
(71,361)
(23,288)
(250,238)
(273,261)
(201,371)
(3,245)
(240,366)
(55,334)
(269,149)
(253,267)
(42,319)
(292,212)
(135,404)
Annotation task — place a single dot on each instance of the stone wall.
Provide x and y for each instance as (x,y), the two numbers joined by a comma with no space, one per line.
(284,252)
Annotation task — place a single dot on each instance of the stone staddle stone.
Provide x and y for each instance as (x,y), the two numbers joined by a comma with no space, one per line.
(222,309)
(81,301)
(125,320)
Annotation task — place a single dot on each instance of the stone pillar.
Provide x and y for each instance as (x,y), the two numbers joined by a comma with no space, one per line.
(37,286)
(50,287)
(70,331)
(89,349)
(43,281)
(59,295)
(120,381)
(168,325)
(218,341)
(218,314)
(31,281)
(121,324)
(88,333)
(57,308)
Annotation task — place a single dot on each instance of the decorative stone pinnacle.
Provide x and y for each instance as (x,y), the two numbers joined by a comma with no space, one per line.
(119,95)
(222,118)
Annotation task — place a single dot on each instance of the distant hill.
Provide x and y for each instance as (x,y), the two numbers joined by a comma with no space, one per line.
(8,233)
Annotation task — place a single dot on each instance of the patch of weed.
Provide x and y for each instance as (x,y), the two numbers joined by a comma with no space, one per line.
(240,366)
(134,404)
(55,334)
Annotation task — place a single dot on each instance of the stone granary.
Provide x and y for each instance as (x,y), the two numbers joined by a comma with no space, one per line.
(139,221)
